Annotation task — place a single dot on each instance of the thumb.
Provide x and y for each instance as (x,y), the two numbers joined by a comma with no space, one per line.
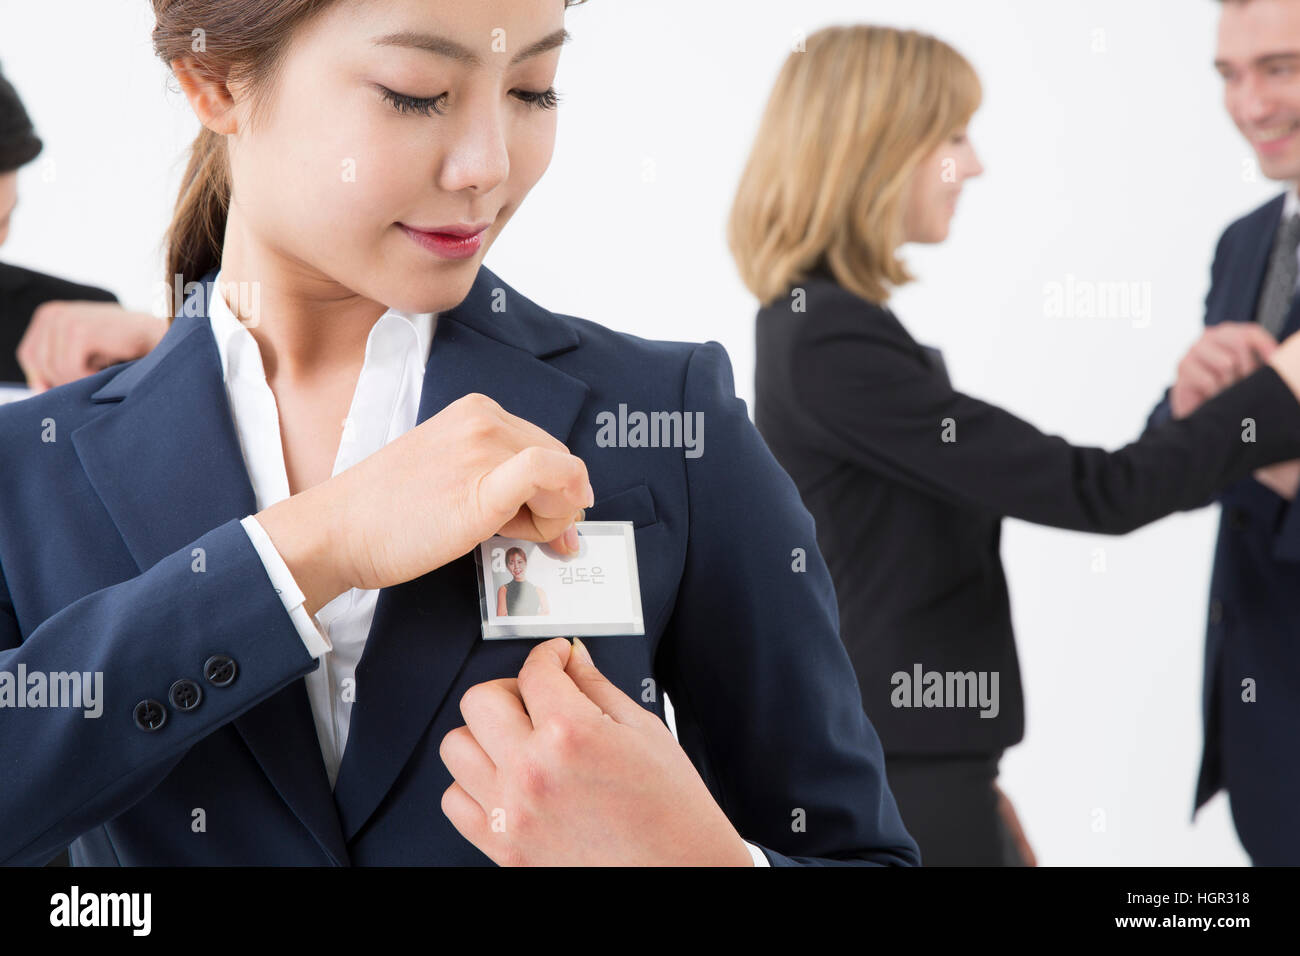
(597,687)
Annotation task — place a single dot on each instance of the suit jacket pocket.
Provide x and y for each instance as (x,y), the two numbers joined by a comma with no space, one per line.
(635,504)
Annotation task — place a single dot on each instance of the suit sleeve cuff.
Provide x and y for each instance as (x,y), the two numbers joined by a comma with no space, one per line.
(760,858)
(313,635)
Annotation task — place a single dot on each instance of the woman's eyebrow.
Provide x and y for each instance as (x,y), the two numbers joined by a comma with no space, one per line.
(445,47)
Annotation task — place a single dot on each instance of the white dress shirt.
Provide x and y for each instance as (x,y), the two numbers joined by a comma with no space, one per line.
(1290,207)
(384,406)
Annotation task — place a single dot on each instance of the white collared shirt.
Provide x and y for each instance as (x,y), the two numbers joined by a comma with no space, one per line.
(384,406)
(1290,207)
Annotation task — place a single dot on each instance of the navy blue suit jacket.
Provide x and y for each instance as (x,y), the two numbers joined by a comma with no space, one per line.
(121,552)
(1252,747)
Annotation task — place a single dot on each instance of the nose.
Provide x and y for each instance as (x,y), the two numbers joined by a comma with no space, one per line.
(476,156)
(1251,103)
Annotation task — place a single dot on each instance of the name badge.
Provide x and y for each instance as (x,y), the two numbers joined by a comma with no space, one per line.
(528,589)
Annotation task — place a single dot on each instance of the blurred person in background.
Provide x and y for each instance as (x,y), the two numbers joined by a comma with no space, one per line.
(863,148)
(53,330)
(1251,694)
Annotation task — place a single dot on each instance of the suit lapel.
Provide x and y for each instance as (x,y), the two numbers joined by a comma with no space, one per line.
(1258,251)
(168,467)
(494,342)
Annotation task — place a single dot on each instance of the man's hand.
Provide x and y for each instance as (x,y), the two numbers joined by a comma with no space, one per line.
(1224,354)
(561,768)
(66,341)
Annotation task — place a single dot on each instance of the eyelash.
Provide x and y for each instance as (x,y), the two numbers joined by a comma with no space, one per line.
(543,100)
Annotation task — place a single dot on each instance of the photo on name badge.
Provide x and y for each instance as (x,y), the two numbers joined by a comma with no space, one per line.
(527,589)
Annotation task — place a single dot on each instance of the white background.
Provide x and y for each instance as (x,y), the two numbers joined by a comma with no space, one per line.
(1116,164)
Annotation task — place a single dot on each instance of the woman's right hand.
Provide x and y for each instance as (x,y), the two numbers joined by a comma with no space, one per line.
(428,497)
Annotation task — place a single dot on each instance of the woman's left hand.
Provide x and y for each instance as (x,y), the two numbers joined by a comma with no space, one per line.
(561,768)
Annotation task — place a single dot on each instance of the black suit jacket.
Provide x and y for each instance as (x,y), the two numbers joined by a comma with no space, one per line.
(909,523)
(21,291)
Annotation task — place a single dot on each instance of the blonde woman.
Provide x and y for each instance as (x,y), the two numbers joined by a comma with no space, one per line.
(863,148)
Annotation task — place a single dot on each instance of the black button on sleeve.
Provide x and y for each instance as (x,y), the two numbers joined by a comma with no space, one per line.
(220,670)
(150,714)
(185,694)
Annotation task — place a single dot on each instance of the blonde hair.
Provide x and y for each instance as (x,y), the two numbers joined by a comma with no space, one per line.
(849,120)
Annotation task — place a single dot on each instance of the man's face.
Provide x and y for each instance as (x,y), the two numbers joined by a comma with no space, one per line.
(1258,57)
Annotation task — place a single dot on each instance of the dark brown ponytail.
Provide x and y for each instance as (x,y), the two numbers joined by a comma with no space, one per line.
(198,224)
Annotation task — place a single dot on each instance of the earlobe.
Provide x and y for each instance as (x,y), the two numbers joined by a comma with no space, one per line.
(208,96)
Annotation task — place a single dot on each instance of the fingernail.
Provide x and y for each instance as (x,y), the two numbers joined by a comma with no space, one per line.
(580,649)
(591,495)
(571,539)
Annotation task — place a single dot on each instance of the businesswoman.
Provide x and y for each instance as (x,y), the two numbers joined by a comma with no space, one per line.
(259,534)
(862,148)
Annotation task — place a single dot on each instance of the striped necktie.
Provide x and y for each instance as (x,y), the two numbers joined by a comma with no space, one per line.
(1279,284)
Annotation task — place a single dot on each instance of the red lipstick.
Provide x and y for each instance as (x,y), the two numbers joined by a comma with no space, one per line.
(457,241)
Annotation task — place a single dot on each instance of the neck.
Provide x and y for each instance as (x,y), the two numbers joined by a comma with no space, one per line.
(308,327)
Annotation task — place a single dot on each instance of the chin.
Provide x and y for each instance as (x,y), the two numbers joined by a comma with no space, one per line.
(936,235)
(1280,171)
(436,290)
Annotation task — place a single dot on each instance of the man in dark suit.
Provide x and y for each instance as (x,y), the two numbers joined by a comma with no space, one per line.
(1252,656)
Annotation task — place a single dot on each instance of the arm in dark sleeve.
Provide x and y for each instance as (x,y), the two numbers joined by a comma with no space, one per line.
(767,703)
(66,772)
(1162,413)
(867,397)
